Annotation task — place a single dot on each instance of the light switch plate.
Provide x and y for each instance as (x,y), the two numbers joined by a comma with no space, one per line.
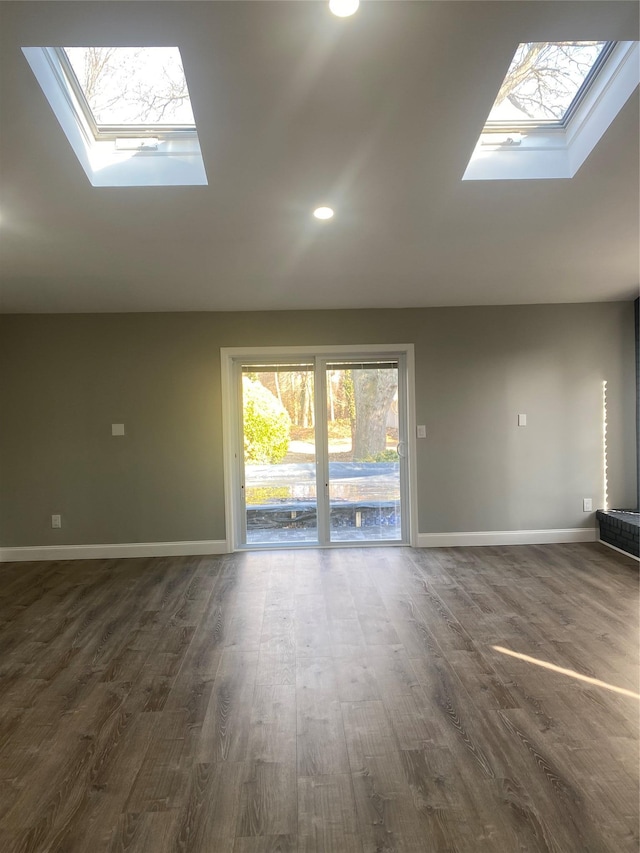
(421,431)
(117,429)
(522,420)
(587,505)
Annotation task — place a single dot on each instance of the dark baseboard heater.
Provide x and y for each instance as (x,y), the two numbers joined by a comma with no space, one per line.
(620,528)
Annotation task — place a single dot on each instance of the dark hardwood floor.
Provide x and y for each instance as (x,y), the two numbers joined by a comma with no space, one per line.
(342,700)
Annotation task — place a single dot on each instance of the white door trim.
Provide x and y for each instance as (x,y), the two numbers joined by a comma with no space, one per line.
(229,355)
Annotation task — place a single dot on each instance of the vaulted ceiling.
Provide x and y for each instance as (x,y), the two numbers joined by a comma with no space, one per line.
(376,115)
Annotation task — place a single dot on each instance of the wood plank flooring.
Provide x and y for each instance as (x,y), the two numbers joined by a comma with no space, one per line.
(342,700)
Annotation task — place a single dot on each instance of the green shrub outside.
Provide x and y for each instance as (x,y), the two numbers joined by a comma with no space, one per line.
(382,456)
(266,424)
(266,494)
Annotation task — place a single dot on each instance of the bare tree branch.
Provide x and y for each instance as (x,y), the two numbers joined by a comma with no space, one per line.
(121,89)
(544,77)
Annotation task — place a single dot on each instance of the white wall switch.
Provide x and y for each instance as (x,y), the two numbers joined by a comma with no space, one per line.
(421,431)
(587,505)
(522,420)
(56,521)
(117,429)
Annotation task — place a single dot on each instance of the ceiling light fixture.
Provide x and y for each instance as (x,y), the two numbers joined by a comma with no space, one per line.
(344,8)
(323,213)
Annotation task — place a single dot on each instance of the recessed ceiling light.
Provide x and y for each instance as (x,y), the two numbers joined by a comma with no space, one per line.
(344,8)
(323,213)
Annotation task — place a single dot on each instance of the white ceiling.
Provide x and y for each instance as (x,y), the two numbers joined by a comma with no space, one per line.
(376,115)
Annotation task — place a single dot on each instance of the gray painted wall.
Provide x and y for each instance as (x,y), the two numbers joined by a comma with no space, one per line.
(65,378)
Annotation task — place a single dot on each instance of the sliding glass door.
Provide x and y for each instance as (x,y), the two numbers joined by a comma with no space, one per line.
(320,450)
(364,488)
(279,452)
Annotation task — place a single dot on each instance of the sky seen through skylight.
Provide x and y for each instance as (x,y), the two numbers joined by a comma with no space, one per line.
(543,80)
(133,85)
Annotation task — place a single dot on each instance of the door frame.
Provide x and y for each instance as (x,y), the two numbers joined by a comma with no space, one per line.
(231,427)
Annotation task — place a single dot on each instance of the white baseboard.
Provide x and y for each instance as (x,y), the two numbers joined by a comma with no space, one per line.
(508,537)
(220,546)
(120,550)
(619,550)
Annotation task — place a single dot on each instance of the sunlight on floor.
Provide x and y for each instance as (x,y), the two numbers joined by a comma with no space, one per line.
(570,672)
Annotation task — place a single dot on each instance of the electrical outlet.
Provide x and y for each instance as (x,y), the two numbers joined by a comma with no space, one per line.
(56,521)
(587,505)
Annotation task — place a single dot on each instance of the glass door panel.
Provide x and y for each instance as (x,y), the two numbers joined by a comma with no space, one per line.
(279,439)
(363,436)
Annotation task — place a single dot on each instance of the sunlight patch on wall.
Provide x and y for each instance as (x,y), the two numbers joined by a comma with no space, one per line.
(605,480)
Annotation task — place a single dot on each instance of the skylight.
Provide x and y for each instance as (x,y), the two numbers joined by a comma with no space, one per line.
(553,106)
(545,81)
(126,112)
(131,87)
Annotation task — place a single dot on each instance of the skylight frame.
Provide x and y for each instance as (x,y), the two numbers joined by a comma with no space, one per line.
(531,125)
(173,159)
(115,131)
(556,152)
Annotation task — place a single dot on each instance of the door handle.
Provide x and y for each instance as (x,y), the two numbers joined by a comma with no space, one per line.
(400,449)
